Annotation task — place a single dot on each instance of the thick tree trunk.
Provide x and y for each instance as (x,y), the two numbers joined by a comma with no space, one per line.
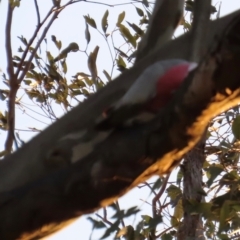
(191,227)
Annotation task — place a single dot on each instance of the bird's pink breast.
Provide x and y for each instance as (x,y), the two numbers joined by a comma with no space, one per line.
(166,86)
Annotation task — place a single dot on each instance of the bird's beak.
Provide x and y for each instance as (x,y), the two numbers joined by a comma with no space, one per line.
(192,66)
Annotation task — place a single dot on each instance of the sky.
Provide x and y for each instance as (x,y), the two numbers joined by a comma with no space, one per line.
(70,27)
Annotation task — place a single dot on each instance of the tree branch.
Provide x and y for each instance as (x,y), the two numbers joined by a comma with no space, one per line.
(62,190)
(12,82)
(38,13)
(193,161)
(200,28)
(83,116)
(162,24)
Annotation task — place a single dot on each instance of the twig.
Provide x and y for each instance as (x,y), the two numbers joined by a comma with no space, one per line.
(160,193)
(104,219)
(8,42)
(154,201)
(55,15)
(119,210)
(111,5)
(38,14)
(153,192)
(163,232)
(12,82)
(30,43)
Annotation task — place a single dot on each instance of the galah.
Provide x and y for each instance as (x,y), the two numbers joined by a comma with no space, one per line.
(151,91)
(148,95)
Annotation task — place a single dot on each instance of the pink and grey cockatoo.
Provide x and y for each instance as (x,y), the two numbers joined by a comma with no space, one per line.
(148,95)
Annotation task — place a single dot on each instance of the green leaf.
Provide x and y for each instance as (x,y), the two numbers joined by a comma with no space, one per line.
(75,92)
(179,176)
(35,94)
(157,184)
(92,62)
(121,16)
(144,20)
(64,66)
(113,228)
(20,49)
(72,47)
(105,21)
(126,232)
(27,82)
(224,236)
(107,75)
(153,222)
(230,178)
(173,191)
(77,84)
(81,74)
(57,43)
(214,171)
(96,224)
(49,57)
(174,222)
(167,236)
(85,92)
(90,21)
(178,210)
(87,34)
(224,216)
(3,94)
(131,211)
(14,3)
(236,127)
(53,73)
(126,33)
(137,29)
(120,63)
(204,208)
(146,218)
(186,25)
(140,12)
(88,81)
(121,52)
(23,40)
(145,2)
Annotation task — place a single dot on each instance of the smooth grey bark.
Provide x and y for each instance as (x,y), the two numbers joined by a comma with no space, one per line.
(28,163)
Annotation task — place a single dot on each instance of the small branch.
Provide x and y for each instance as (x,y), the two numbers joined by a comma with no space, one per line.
(154,201)
(200,27)
(110,5)
(159,194)
(162,24)
(8,42)
(30,43)
(37,10)
(55,15)
(104,219)
(12,83)
(118,208)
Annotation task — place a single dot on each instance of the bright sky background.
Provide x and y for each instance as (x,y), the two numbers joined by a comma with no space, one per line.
(70,27)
